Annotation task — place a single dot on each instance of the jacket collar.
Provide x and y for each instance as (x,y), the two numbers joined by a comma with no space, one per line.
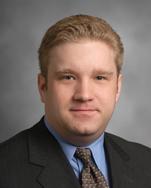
(45,152)
(121,168)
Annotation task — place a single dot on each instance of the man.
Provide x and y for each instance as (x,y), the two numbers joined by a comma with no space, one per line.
(80,61)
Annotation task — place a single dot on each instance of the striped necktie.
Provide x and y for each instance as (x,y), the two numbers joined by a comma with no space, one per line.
(91,176)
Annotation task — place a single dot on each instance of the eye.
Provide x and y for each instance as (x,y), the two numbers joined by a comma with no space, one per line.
(68,77)
(101,77)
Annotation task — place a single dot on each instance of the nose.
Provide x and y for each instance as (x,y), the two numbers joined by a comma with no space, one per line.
(83,91)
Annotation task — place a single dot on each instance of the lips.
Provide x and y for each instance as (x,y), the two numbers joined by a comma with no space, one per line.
(83,112)
(83,109)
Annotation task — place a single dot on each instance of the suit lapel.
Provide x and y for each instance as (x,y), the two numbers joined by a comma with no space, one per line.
(45,152)
(122,172)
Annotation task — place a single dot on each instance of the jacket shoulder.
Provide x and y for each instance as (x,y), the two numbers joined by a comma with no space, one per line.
(14,147)
(15,169)
(18,142)
(137,152)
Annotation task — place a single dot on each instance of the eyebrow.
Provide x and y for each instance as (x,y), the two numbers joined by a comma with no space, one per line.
(65,71)
(102,72)
(99,72)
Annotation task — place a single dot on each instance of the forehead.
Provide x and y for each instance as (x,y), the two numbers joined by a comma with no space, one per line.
(84,54)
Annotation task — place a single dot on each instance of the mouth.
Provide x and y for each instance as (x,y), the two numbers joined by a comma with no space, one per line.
(83,112)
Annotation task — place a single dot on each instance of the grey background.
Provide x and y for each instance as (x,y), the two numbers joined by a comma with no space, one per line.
(22,25)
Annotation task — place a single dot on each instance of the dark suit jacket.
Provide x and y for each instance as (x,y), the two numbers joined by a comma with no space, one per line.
(34,159)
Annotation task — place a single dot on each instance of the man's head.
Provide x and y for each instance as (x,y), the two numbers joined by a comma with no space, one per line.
(75,28)
(80,80)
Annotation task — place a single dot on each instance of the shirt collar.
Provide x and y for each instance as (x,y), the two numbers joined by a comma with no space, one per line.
(69,149)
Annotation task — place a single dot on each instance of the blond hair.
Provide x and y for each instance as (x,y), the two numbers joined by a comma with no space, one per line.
(75,28)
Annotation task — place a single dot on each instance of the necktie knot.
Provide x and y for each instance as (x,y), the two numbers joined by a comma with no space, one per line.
(84,154)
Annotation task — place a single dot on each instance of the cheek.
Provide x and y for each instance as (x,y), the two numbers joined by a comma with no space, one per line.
(59,96)
(108,96)
(63,93)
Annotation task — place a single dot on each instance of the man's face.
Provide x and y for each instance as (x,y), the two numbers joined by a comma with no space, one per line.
(81,91)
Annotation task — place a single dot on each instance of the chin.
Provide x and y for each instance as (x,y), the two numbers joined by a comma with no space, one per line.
(84,137)
(85,132)
(84,128)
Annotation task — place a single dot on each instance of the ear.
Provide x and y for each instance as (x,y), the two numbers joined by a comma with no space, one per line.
(119,85)
(42,87)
